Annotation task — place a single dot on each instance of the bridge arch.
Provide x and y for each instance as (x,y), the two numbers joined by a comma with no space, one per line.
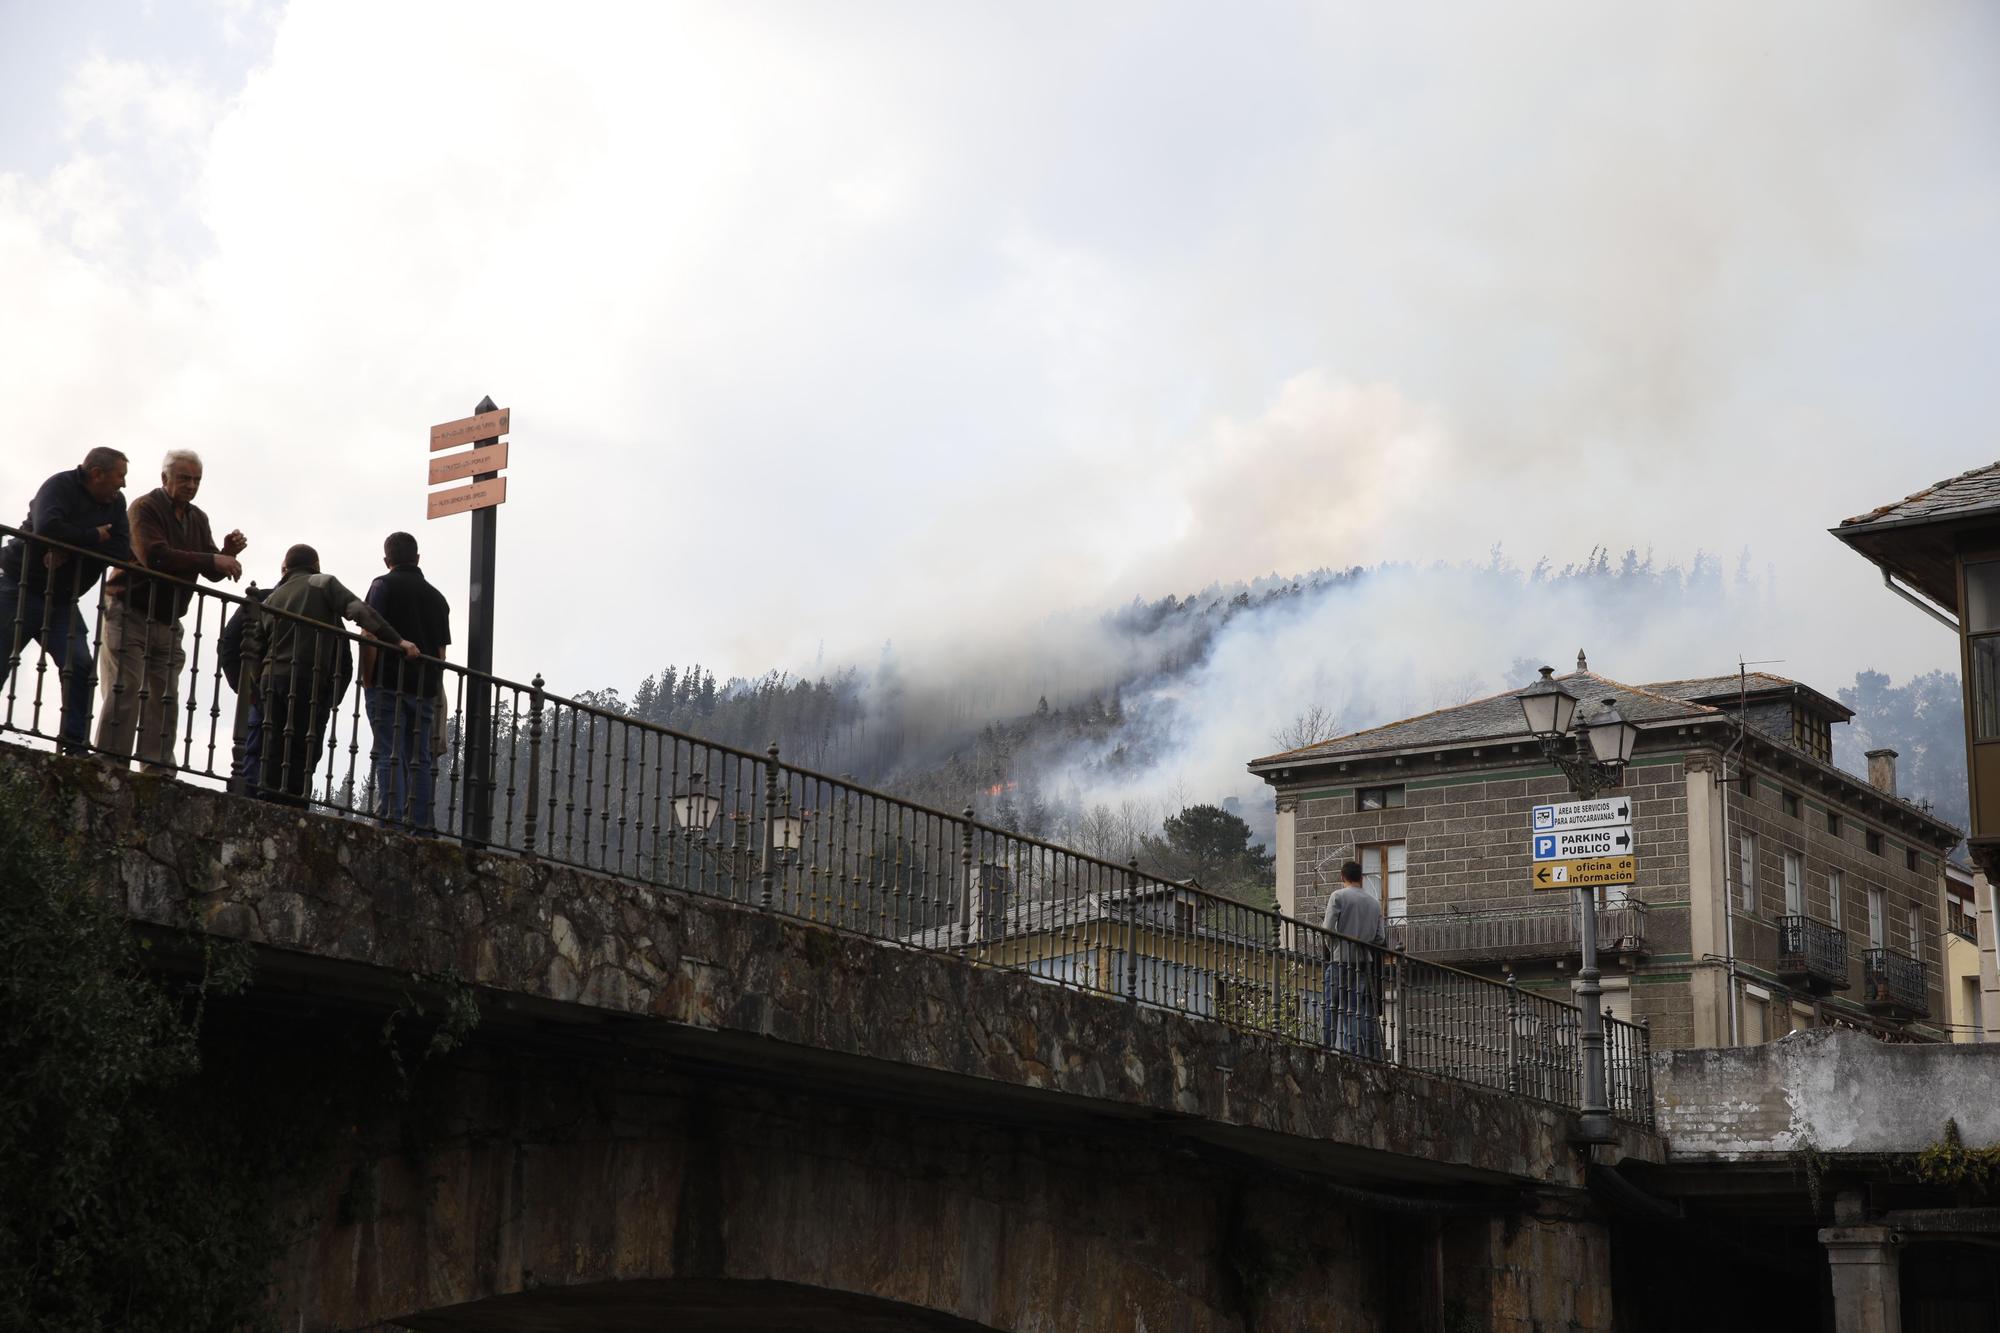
(566,1193)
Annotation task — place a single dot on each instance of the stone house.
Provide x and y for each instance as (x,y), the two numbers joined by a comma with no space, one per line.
(1774,891)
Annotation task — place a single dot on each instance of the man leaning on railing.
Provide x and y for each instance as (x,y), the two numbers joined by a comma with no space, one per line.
(140,651)
(294,668)
(1352,985)
(401,696)
(40,586)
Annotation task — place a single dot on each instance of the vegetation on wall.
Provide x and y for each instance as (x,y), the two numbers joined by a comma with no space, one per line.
(1950,1163)
(160,1142)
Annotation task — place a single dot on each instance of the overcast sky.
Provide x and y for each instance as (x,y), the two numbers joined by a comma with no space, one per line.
(840,324)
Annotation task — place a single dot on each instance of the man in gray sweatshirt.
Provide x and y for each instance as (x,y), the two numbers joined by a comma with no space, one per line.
(1351,992)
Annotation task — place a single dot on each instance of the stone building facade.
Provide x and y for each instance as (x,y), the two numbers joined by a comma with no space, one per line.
(1774,891)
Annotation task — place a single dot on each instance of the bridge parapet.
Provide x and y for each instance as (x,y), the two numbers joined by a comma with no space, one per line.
(595,787)
(339,905)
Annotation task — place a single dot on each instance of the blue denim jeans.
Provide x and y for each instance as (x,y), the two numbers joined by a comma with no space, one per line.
(1349,1003)
(65,639)
(401,756)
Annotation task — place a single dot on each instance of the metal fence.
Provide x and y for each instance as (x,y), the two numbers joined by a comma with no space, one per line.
(591,787)
(1538,931)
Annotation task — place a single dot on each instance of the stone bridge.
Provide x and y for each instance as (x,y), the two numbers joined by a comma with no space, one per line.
(675,1108)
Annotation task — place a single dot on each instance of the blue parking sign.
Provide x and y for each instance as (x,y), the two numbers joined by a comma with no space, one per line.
(1545,846)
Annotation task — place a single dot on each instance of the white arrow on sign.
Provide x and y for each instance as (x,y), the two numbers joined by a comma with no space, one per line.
(1605,812)
(1575,844)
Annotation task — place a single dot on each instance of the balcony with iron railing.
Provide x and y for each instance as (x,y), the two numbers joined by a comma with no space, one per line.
(1811,955)
(1538,933)
(1895,984)
(444,751)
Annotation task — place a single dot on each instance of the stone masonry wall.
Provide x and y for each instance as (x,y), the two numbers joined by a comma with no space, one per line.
(1763,814)
(1467,833)
(343,892)
(1832,1090)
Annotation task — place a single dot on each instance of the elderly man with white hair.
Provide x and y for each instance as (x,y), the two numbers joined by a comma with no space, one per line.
(140,653)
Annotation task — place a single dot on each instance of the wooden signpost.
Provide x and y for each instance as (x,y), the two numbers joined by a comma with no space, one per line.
(453,466)
(481,497)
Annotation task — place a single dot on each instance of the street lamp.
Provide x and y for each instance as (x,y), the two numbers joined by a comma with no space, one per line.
(787,830)
(1548,707)
(1594,756)
(1590,754)
(694,808)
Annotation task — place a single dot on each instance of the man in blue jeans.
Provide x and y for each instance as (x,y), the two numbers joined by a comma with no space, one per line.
(402,694)
(41,584)
(1351,989)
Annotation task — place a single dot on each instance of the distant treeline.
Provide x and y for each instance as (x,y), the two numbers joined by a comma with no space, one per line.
(1024,770)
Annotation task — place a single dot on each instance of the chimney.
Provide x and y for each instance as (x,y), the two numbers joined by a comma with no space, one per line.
(1882,770)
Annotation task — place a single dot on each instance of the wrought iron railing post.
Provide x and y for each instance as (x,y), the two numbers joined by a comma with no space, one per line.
(1132,929)
(534,761)
(768,874)
(1513,1032)
(965,876)
(1645,1086)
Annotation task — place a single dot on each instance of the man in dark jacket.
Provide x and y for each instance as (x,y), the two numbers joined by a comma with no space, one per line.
(294,664)
(402,695)
(41,583)
(247,733)
(139,651)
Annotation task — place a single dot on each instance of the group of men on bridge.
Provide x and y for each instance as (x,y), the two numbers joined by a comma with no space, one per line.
(287,672)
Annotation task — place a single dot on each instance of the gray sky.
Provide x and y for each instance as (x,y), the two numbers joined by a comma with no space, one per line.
(845,324)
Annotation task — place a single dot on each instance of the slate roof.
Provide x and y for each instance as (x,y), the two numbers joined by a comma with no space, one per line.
(1150,904)
(1498,717)
(1914,539)
(1710,687)
(1727,688)
(1968,493)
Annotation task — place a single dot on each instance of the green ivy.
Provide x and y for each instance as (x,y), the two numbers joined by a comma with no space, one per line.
(1949,1162)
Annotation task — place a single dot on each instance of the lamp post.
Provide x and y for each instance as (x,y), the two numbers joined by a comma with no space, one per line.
(1590,755)
(694,808)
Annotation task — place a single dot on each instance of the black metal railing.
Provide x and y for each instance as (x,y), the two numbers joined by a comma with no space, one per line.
(1812,952)
(590,786)
(1895,981)
(1515,934)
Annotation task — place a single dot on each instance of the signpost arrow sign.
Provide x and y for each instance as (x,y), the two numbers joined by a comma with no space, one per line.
(1570,844)
(1603,812)
(1586,872)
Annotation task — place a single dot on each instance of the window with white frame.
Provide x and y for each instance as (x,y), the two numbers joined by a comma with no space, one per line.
(1795,884)
(1915,916)
(1878,921)
(1836,885)
(1385,873)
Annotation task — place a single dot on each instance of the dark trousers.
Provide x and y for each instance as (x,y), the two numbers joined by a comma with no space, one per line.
(293,723)
(401,756)
(26,613)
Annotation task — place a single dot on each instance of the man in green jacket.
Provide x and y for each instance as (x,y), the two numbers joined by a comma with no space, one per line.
(292,665)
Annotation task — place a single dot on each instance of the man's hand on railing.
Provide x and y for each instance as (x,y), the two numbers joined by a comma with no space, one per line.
(410,649)
(228,566)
